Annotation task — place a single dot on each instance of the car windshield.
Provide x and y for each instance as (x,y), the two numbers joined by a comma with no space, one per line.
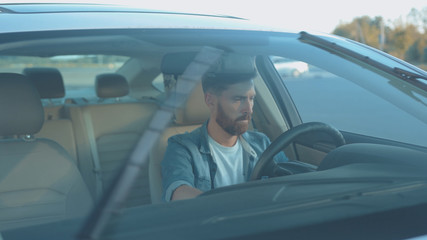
(104,125)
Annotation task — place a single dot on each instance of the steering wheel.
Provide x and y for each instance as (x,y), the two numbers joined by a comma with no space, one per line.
(266,166)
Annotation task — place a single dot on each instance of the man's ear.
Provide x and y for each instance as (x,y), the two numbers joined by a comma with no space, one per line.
(210,100)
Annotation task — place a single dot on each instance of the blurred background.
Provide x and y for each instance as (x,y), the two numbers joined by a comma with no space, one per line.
(404,37)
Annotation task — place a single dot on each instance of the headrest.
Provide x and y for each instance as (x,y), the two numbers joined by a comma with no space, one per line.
(228,64)
(111,85)
(20,106)
(194,110)
(48,81)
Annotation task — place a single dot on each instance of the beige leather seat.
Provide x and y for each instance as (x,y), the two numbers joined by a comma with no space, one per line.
(57,125)
(107,132)
(189,117)
(39,181)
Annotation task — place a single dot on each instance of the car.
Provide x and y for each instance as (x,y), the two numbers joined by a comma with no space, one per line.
(90,94)
(289,68)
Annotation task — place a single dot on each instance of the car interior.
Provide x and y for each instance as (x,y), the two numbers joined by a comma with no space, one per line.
(66,151)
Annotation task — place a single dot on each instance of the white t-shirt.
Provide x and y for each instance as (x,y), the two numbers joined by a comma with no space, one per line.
(229,161)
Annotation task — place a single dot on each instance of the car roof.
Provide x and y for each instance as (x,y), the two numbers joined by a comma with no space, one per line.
(80,16)
(85,7)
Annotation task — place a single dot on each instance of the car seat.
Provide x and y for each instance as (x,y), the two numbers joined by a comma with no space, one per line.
(39,181)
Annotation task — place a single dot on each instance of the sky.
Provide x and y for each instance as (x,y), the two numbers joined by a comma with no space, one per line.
(319,15)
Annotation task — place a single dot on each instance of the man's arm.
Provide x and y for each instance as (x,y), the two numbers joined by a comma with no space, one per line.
(185,192)
(177,169)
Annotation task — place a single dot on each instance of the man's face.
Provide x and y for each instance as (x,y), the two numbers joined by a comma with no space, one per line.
(234,108)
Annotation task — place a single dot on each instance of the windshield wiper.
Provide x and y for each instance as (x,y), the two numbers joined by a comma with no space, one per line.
(116,195)
(412,77)
(334,48)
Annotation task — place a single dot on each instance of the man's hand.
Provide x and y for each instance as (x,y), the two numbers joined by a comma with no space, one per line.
(185,192)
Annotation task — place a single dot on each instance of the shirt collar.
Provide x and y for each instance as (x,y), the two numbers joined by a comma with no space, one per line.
(204,145)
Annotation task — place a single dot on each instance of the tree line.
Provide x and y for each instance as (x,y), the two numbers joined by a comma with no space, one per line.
(406,40)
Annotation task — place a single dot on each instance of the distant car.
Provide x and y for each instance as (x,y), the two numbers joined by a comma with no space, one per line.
(89,95)
(289,68)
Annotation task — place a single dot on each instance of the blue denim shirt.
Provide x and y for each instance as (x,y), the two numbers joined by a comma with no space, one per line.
(188,159)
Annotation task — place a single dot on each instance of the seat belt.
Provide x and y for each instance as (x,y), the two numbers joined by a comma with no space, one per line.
(87,124)
(94,152)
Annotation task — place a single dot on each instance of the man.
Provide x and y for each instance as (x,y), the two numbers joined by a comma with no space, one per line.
(221,152)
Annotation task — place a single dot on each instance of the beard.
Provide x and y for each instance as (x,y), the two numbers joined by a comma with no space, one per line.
(233,127)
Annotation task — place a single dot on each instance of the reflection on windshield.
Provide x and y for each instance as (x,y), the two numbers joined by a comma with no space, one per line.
(116,195)
(415,93)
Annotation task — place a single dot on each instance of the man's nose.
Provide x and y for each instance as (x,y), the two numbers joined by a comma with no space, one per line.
(247,107)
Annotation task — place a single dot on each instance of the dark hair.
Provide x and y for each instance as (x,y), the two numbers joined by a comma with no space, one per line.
(230,69)
(216,83)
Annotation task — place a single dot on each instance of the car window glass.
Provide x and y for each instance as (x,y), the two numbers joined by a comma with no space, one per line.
(322,96)
(78,71)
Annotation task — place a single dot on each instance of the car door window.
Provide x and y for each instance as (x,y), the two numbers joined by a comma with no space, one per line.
(322,96)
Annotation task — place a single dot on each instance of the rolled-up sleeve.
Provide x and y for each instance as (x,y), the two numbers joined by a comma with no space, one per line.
(177,169)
